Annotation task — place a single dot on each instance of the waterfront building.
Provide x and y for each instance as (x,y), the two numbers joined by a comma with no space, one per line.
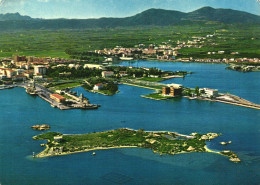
(175,91)
(58,98)
(40,70)
(172,91)
(98,87)
(209,92)
(8,82)
(165,91)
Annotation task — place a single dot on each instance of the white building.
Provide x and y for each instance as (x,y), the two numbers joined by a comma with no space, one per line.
(210,92)
(71,65)
(98,87)
(40,70)
(10,73)
(93,66)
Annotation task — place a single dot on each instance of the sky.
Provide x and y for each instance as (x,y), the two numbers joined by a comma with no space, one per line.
(115,8)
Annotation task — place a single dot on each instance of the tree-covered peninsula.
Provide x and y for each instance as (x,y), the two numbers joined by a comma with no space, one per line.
(162,142)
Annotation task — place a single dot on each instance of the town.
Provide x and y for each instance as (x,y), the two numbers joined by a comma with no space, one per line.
(111,92)
(52,78)
(173,50)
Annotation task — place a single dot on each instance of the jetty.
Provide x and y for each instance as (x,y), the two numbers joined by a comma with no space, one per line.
(59,101)
(221,98)
(233,100)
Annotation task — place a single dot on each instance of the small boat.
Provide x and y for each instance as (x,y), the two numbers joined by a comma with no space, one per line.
(54,106)
(93,153)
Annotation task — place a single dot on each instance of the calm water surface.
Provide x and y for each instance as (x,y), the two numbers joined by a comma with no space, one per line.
(19,111)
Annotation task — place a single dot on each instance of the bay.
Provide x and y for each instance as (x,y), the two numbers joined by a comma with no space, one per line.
(19,111)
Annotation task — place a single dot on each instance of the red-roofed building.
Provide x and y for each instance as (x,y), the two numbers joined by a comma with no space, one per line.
(106,74)
(98,87)
(57,98)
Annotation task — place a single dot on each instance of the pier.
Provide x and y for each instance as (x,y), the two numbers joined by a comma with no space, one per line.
(224,98)
(74,103)
(234,100)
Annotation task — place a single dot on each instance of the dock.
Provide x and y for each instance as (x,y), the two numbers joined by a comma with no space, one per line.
(238,102)
(75,103)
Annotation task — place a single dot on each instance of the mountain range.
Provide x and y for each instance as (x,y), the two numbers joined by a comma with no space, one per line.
(151,17)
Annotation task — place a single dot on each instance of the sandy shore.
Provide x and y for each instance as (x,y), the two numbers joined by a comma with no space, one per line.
(43,153)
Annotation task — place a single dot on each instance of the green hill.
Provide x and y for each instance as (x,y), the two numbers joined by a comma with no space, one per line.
(13,17)
(151,17)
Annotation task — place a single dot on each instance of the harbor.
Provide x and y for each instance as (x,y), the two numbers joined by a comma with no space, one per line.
(182,116)
(56,100)
(59,101)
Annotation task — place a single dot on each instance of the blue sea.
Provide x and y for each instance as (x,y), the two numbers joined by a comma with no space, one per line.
(19,111)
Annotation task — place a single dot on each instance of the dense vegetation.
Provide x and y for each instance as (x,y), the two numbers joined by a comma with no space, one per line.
(60,72)
(161,142)
(109,86)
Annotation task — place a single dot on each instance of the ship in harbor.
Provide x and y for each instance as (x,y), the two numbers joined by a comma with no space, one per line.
(31,89)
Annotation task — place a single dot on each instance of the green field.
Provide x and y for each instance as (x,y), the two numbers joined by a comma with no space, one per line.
(230,38)
(149,79)
(156,96)
(66,85)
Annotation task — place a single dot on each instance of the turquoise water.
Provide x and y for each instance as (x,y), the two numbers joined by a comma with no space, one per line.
(19,111)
